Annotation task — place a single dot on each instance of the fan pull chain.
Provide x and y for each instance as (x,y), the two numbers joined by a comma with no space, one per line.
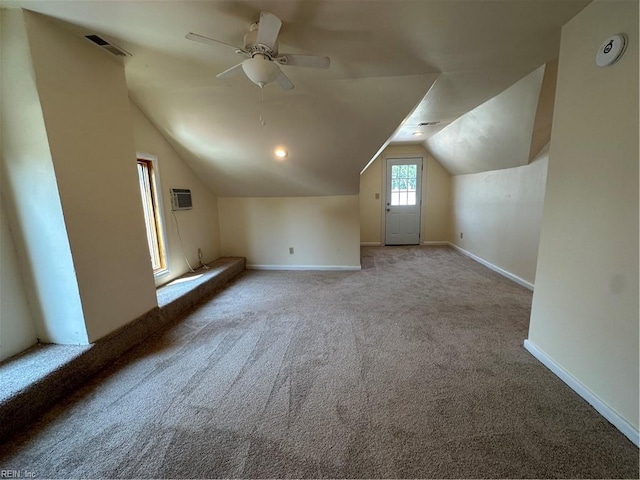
(261,95)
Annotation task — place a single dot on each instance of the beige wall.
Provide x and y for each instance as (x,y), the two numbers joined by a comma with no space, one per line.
(86,110)
(499,214)
(324,231)
(370,206)
(17,331)
(541,134)
(436,202)
(435,222)
(585,306)
(199,227)
(31,199)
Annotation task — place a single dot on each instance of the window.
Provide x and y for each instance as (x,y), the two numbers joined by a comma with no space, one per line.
(404,179)
(149,192)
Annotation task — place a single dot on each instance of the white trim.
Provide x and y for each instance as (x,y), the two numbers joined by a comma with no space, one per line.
(370,244)
(495,268)
(432,242)
(160,273)
(306,267)
(601,407)
(161,211)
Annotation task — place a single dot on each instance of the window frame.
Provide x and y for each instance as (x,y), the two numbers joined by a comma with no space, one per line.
(158,211)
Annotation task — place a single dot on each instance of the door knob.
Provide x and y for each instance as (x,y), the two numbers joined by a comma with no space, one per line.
(388,209)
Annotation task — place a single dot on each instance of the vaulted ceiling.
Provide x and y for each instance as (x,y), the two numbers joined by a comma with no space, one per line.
(394,64)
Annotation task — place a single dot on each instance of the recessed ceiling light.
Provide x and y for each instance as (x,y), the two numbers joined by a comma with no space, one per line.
(280,152)
(417,134)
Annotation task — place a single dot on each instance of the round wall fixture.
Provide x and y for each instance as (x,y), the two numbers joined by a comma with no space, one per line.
(611,50)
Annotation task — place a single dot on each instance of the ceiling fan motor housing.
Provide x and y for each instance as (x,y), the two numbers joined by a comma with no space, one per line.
(253,48)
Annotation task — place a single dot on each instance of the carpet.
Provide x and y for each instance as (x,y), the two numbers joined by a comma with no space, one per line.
(410,368)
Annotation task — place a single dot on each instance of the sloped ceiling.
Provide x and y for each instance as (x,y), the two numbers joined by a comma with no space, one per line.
(508,130)
(494,135)
(386,56)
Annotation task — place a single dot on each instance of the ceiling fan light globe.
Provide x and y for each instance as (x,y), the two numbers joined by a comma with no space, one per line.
(260,70)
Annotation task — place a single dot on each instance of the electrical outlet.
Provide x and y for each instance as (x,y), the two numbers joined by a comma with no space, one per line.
(290,250)
(461,234)
(377,196)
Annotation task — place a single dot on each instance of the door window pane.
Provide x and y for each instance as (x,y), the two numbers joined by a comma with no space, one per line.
(403,184)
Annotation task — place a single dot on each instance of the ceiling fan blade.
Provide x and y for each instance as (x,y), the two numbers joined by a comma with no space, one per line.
(210,41)
(230,72)
(268,29)
(304,61)
(284,82)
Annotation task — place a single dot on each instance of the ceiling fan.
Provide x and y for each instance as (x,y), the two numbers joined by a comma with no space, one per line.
(261,46)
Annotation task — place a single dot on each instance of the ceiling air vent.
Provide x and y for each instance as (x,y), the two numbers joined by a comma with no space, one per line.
(112,49)
(426,124)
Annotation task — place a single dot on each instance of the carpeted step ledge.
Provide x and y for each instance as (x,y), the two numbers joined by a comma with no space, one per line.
(33,381)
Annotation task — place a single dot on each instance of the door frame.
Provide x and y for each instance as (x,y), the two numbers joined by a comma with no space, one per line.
(383,186)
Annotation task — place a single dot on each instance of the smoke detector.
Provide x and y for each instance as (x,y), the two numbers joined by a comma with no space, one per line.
(611,50)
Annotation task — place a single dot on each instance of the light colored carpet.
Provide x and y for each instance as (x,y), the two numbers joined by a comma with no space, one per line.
(413,367)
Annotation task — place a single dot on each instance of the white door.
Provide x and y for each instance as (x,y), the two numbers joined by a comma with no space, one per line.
(403,201)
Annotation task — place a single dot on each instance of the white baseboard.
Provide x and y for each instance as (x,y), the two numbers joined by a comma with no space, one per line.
(495,268)
(379,244)
(306,267)
(601,407)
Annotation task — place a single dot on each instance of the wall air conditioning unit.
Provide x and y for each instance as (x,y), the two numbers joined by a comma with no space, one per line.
(181,199)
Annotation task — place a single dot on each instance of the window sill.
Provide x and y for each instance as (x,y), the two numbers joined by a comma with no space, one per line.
(160,273)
